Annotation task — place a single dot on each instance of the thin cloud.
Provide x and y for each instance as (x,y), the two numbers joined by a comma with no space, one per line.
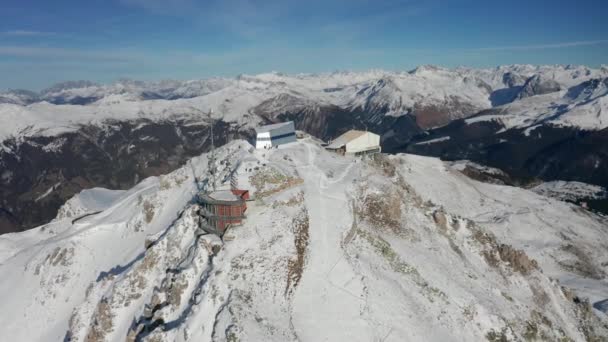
(52,52)
(271,19)
(26,33)
(544,46)
(170,7)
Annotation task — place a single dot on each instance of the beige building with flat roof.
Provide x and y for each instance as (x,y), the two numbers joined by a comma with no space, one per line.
(356,143)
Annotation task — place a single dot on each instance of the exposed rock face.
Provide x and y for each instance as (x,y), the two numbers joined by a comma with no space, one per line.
(588,90)
(537,85)
(486,174)
(321,120)
(511,79)
(430,116)
(328,121)
(41,173)
(379,97)
(8,222)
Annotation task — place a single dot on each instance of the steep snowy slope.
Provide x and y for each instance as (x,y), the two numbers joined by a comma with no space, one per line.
(516,75)
(546,134)
(584,106)
(427,92)
(45,119)
(89,201)
(385,249)
(571,191)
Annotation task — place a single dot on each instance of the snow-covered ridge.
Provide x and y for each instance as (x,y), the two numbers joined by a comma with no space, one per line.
(571,191)
(89,201)
(390,248)
(584,106)
(427,92)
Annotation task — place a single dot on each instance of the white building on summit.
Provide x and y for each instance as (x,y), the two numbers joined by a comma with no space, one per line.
(275,134)
(356,143)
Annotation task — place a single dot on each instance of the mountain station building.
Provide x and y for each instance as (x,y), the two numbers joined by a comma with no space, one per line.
(274,135)
(356,143)
(222,209)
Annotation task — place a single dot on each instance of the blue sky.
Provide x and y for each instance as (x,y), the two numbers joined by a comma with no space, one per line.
(43,42)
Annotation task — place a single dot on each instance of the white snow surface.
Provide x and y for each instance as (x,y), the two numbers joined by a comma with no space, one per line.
(88,201)
(432,141)
(234,100)
(584,106)
(461,165)
(224,195)
(333,248)
(572,191)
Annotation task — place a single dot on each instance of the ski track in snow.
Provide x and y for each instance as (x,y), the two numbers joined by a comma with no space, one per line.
(328,288)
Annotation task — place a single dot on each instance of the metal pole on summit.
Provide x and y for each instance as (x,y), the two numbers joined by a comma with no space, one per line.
(212,168)
(212,124)
(196,181)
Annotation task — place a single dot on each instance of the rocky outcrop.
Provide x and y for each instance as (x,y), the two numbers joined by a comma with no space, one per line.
(324,121)
(538,85)
(511,79)
(589,90)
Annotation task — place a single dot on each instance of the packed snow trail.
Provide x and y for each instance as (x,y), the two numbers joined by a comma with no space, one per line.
(329,288)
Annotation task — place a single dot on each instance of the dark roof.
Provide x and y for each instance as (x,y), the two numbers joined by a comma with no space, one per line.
(268,128)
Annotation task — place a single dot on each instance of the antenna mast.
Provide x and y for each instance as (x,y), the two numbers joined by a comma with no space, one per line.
(212,167)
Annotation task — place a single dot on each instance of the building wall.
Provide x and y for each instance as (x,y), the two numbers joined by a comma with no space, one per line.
(226,215)
(263,140)
(278,136)
(367,141)
(284,140)
(284,129)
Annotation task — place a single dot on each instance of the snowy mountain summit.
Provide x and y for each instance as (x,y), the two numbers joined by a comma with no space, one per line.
(388,248)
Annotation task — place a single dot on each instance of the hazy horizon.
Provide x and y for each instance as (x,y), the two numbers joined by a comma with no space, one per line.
(124,78)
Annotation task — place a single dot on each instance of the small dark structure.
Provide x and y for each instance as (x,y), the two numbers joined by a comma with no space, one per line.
(222,209)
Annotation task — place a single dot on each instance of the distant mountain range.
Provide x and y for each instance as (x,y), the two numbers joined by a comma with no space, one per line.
(534,122)
(431,96)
